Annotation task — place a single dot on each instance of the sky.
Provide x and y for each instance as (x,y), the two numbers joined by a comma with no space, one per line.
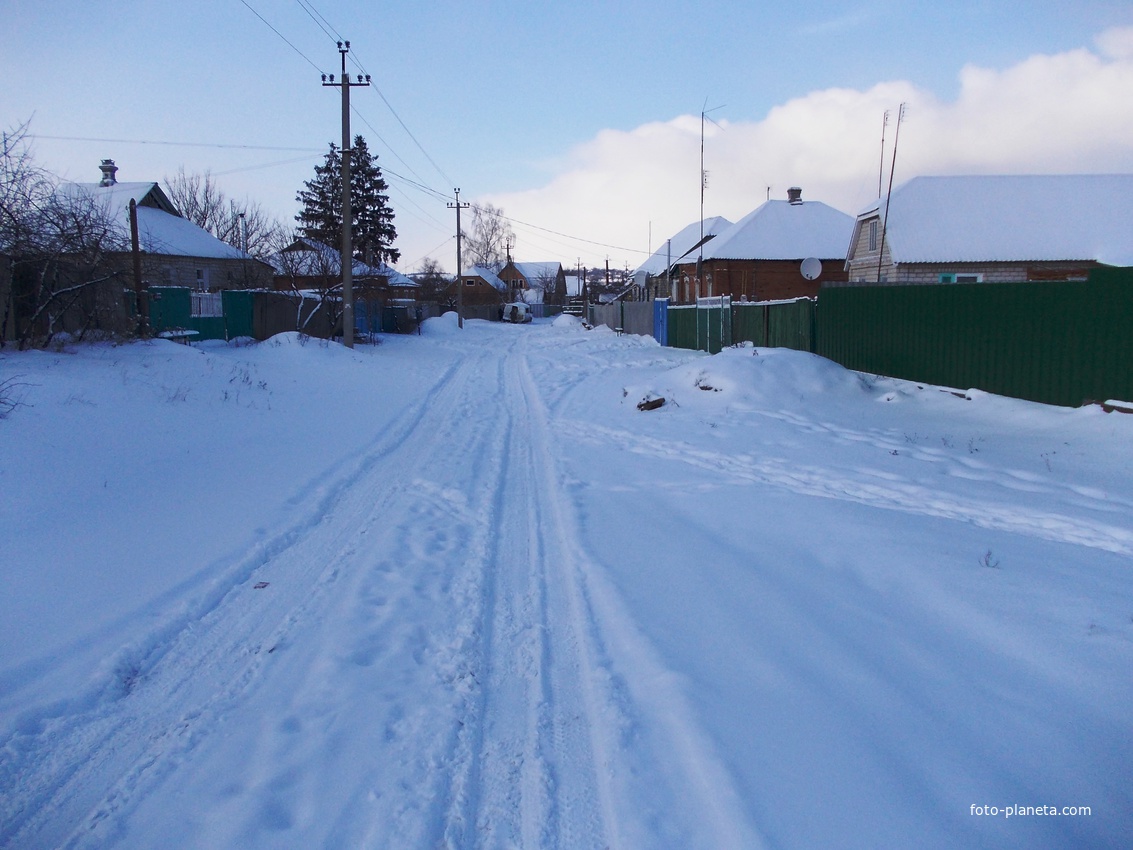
(581,120)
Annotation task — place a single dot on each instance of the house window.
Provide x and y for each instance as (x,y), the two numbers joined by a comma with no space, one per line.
(202,279)
(959,277)
(873,235)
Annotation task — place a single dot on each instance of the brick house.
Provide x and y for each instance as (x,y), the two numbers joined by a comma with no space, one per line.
(651,275)
(535,283)
(988,229)
(482,287)
(760,257)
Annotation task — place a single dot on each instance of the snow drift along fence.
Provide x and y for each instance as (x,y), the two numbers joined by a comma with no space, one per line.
(1061,342)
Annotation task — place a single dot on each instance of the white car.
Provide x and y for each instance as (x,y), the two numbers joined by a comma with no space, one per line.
(517,313)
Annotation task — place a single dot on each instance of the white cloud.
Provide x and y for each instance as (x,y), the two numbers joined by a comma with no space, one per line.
(1063,113)
(1116,43)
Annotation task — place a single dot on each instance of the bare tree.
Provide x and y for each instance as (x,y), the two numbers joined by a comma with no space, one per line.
(435,284)
(65,249)
(486,240)
(313,276)
(244,225)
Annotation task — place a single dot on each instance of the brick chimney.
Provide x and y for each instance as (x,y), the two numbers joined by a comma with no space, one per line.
(108,170)
(795,195)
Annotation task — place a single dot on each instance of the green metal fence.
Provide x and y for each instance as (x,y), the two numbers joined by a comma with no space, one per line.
(780,324)
(1053,342)
(170,308)
(682,327)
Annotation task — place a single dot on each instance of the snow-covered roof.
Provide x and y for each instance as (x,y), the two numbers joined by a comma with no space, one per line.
(682,243)
(490,276)
(782,230)
(1011,218)
(161,229)
(538,271)
(309,257)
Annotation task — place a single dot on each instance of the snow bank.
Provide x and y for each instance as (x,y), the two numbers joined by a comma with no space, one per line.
(445,325)
(567,321)
(753,378)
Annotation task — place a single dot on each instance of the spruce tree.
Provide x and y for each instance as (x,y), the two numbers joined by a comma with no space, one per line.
(371,219)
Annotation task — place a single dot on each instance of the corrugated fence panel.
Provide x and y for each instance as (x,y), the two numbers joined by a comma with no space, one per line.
(682,327)
(791,325)
(1054,342)
(238,312)
(169,307)
(637,317)
(609,315)
(749,323)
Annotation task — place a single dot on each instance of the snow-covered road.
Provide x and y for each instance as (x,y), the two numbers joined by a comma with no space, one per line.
(792,608)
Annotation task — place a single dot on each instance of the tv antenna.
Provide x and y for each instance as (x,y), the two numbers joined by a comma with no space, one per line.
(703,184)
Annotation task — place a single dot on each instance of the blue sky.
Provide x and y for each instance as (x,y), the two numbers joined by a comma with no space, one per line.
(579,118)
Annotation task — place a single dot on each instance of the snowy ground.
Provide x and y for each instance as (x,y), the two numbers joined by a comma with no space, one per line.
(458,591)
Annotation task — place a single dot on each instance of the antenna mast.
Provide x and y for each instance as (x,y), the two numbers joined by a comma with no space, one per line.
(881,165)
(889,196)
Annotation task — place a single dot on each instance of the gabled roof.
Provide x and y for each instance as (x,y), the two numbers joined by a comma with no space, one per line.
(538,271)
(161,229)
(1010,218)
(485,273)
(782,230)
(309,257)
(675,249)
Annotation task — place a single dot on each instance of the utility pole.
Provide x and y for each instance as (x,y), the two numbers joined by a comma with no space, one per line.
(347,260)
(458,206)
(139,290)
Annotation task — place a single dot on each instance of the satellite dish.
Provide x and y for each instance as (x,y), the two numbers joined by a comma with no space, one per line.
(811,268)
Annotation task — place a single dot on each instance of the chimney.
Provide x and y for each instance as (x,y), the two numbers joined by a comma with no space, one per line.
(108,170)
(795,195)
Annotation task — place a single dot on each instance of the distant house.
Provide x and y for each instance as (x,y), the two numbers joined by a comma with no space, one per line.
(307,264)
(482,286)
(984,229)
(760,257)
(176,251)
(535,283)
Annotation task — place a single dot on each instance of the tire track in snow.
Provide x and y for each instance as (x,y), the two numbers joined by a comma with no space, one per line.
(658,780)
(73,774)
(526,775)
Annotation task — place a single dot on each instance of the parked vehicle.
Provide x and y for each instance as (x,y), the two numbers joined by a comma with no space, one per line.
(517,313)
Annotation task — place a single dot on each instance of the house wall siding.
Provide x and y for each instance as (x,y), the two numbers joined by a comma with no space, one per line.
(926,274)
(756,280)
(170,270)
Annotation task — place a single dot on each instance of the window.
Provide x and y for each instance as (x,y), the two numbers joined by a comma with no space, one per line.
(961,277)
(873,235)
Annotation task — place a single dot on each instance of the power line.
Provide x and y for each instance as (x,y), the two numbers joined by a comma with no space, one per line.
(282,36)
(567,235)
(262,165)
(173,144)
(312,12)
